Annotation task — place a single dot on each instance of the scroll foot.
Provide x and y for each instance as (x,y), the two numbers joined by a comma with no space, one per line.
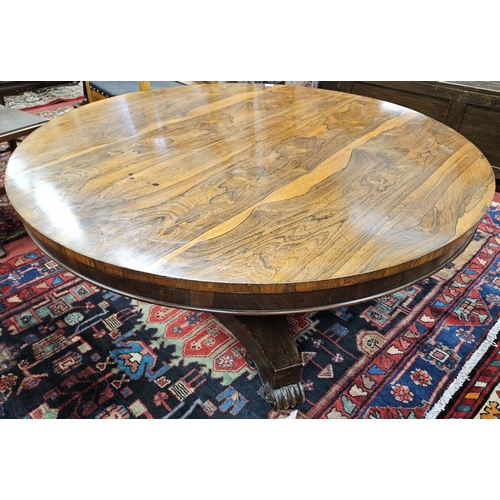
(284,398)
(269,345)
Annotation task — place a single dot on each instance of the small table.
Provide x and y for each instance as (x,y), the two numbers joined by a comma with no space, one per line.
(14,124)
(250,202)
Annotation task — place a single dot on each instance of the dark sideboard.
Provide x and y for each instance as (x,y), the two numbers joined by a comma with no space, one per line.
(470,108)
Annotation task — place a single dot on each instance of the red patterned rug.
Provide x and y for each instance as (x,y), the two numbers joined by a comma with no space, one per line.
(69,349)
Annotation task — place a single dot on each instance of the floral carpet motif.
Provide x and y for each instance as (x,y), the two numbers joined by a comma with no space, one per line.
(69,349)
(480,397)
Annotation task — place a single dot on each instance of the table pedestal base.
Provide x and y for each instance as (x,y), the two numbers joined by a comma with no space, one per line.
(270,346)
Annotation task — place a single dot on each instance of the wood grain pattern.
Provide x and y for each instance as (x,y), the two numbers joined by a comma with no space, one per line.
(470,108)
(251,199)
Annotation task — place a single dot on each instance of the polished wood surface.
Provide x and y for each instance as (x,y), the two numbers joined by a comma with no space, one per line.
(470,108)
(249,199)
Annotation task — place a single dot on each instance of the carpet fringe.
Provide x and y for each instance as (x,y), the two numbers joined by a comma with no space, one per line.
(466,370)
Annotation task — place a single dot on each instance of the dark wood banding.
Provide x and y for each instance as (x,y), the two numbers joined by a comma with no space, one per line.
(260,304)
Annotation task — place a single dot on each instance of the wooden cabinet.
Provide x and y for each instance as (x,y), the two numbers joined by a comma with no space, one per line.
(471,108)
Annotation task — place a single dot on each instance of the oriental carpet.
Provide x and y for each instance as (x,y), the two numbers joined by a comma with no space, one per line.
(69,349)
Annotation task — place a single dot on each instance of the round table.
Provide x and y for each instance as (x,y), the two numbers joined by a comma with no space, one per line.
(251,202)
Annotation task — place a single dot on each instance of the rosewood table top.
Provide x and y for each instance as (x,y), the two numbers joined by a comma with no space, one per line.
(249,199)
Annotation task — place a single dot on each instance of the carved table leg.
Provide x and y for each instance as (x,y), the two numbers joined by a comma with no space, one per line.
(270,345)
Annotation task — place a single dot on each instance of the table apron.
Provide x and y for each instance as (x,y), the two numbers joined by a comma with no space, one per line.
(258,304)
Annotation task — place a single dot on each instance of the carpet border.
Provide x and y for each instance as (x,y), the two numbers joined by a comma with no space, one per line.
(467,369)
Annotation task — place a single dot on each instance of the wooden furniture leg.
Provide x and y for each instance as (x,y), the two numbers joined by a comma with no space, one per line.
(269,344)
